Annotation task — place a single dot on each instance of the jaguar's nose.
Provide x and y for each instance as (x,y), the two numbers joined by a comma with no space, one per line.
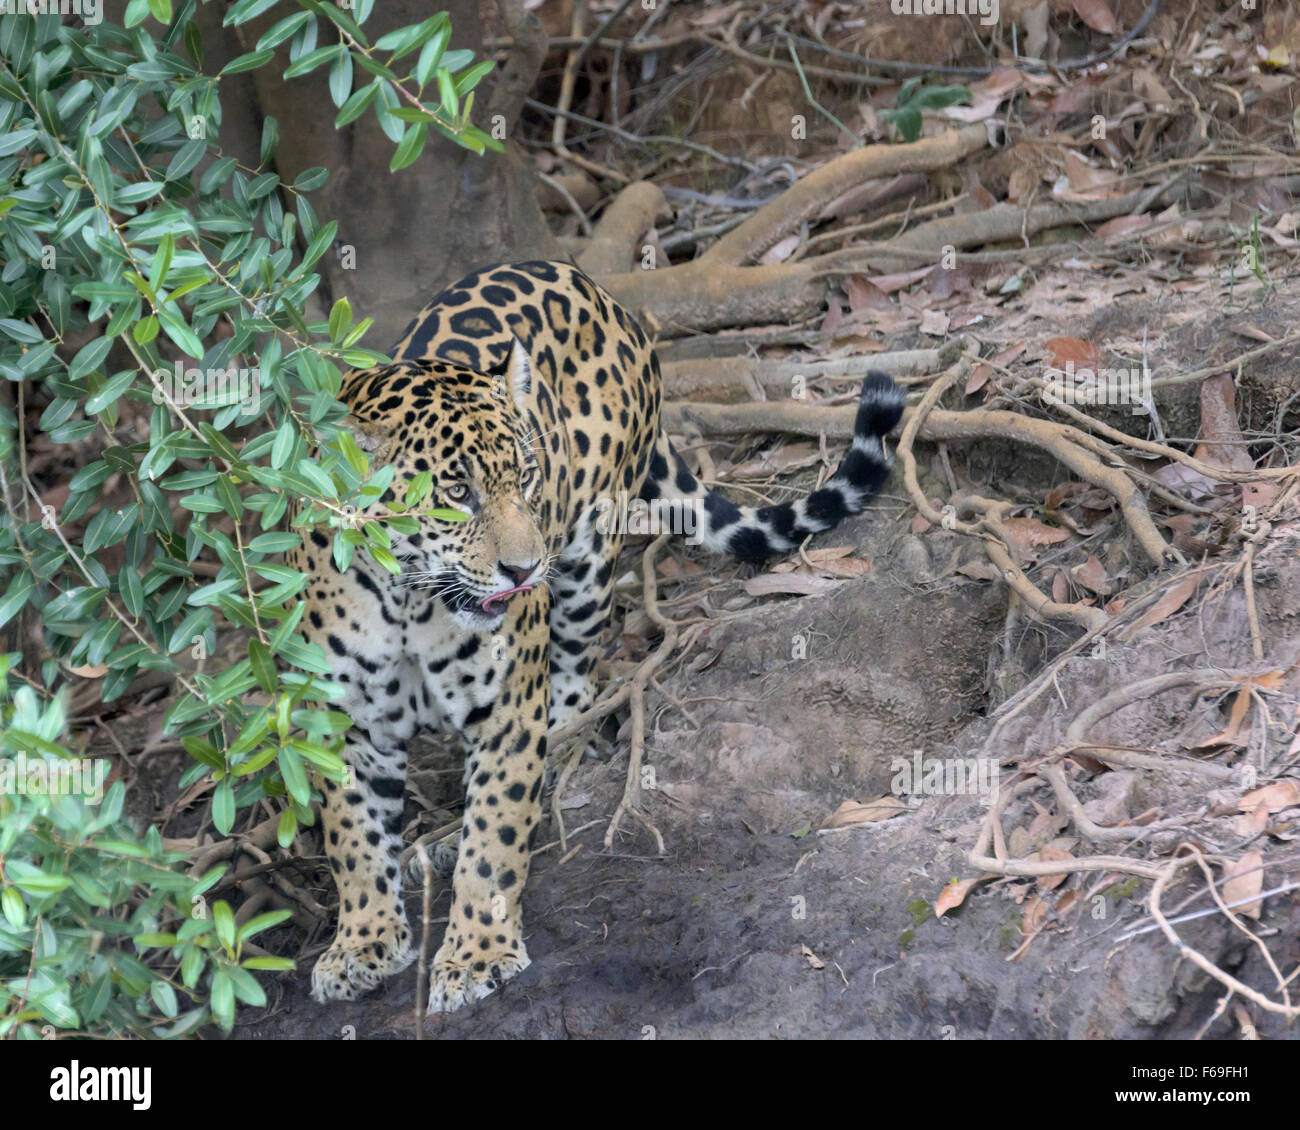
(517,573)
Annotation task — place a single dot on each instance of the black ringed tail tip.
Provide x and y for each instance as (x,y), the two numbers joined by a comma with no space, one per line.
(753,534)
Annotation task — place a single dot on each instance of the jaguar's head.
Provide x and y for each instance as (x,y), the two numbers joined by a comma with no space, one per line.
(469,431)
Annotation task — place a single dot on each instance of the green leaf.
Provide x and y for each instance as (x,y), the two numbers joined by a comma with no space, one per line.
(187,156)
(355,106)
(431,55)
(41,884)
(447,93)
(131,590)
(162,262)
(112,390)
(295,776)
(223,808)
(410,147)
(319,245)
(262,922)
(471,78)
(341,79)
(907,121)
(312,60)
(222,1000)
(89,357)
(15,911)
(310,179)
(17,140)
(245,10)
(286,437)
(282,30)
(259,656)
(340,319)
(145,330)
(164,996)
(940,97)
(277,541)
(278,964)
(384,558)
(270,139)
(224,921)
(355,457)
(176,328)
(21,331)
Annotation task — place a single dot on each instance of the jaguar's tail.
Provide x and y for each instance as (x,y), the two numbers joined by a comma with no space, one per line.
(753,533)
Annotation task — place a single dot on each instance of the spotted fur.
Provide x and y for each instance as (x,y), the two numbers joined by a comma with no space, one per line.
(533,398)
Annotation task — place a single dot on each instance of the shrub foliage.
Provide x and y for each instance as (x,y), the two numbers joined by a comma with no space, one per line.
(160,369)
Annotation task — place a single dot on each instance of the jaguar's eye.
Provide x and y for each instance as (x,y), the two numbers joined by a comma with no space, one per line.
(528,478)
(457,492)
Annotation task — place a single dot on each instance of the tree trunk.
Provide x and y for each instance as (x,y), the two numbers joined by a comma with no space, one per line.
(402,236)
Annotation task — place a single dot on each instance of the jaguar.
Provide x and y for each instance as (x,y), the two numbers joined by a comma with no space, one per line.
(532,398)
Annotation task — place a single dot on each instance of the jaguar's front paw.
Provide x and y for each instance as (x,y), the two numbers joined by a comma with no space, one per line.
(345,971)
(458,979)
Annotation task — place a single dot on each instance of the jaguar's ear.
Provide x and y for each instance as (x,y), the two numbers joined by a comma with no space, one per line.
(372,436)
(519,374)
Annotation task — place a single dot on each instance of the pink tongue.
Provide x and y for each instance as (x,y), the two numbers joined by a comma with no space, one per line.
(497,596)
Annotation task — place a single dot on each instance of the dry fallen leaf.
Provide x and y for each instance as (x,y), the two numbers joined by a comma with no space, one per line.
(1260,804)
(980,570)
(813,960)
(1230,734)
(863,294)
(790,457)
(1222,443)
(1030,533)
(1242,878)
(1034,917)
(781,251)
(1060,351)
(1186,481)
(97,671)
(1151,90)
(934,323)
(828,553)
(1259,493)
(1092,575)
(1272,798)
(1052,855)
(1166,606)
(1097,15)
(1123,225)
(981,373)
(954,894)
(842,567)
(890,283)
(790,584)
(865,812)
(1084,180)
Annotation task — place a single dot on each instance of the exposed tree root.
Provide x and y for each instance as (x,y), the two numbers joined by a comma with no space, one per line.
(616,241)
(707,294)
(731,378)
(631,800)
(805,200)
